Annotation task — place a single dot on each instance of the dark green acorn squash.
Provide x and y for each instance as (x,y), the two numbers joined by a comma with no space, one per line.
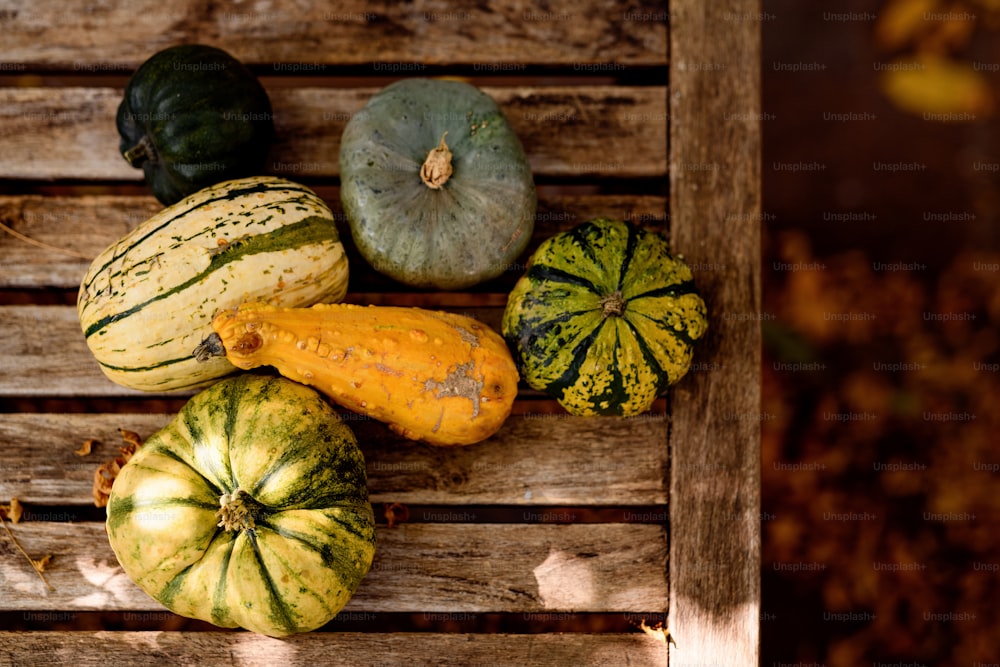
(249,509)
(194,116)
(436,186)
(604,319)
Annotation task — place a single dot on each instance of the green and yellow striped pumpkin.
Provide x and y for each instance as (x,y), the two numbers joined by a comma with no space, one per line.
(604,319)
(249,509)
(148,299)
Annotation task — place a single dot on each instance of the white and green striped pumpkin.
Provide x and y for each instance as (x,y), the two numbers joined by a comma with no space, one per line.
(148,300)
(249,509)
(604,319)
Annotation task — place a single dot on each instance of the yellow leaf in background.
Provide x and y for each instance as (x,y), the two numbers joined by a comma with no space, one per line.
(938,88)
(952,32)
(900,21)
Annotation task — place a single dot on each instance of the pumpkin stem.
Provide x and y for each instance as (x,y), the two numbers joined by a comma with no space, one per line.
(141,152)
(613,305)
(237,510)
(437,167)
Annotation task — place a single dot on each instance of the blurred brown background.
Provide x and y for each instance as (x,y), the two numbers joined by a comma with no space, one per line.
(881,272)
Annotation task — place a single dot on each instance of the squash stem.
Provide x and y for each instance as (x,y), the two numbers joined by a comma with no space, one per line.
(613,305)
(210,347)
(237,510)
(141,152)
(436,169)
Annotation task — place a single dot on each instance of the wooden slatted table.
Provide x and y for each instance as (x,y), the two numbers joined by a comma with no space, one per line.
(550,543)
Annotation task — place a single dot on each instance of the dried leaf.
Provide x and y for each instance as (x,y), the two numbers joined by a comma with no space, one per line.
(131,438)
(12,511)
(658,632)
(104,476)
(86,448)
(42,562)
(16,509)
(396,513)
(938,88)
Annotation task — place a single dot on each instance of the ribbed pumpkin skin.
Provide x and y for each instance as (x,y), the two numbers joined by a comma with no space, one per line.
(313,538)
(466,232)
(148,300)
(596,363)
(204,115)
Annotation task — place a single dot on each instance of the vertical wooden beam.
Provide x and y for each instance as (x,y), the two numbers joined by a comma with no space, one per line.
(715,208)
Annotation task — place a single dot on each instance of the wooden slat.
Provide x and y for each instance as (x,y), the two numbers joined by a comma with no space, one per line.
(244,649)
(715,221)
(533,460)
(323,36)
(48,355)
(418,568)
(87,224)
(580,131)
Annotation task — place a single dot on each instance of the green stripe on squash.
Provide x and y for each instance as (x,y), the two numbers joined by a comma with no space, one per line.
(605,319)
(148,299)
(285,560)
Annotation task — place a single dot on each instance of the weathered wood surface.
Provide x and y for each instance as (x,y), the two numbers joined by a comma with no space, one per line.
(533,460)
(317,37)
(243,649)
(614,131)
(715,418)
(418,567)
(48,355)
(85,225)
(575,129)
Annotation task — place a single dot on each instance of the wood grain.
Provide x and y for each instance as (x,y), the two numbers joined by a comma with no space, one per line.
(86,224)
(578,131)
(320,65)
(244,649)
(430,567)
(47,355)
(715,445)
(535,459)
(320,37)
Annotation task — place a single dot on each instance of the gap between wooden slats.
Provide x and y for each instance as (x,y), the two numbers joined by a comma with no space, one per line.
(89,223)
(244,649)
(520,623)
(608,131)
(451,568)
(534,459)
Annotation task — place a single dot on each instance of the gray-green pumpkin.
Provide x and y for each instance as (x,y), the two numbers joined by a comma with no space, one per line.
(436,186)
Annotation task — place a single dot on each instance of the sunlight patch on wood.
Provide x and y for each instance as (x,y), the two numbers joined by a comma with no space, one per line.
(565,581)
(698,636)
(109,581)
(248,648)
